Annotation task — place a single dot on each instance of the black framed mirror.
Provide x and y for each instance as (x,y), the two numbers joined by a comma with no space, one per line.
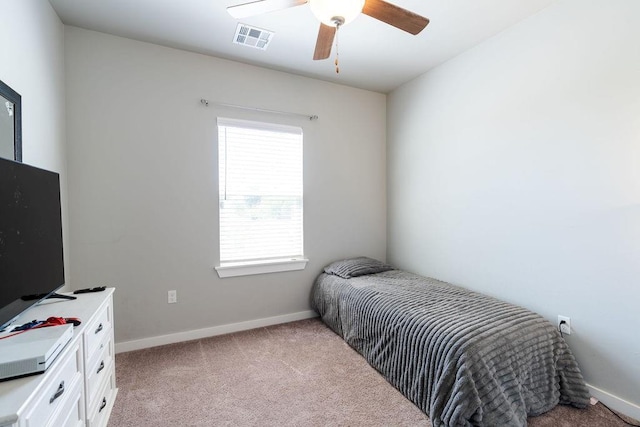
(10,123)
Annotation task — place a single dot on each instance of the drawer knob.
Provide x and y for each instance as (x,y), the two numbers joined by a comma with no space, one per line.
(101,367)
(103,404)
(58,393)
(99,328)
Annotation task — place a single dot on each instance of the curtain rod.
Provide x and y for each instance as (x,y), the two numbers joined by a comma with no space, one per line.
(206,103)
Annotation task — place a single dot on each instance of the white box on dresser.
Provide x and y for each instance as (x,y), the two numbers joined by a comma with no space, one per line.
(79,388)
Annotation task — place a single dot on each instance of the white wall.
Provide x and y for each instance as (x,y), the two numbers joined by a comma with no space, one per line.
(514,169)
(32,64)
(143,180)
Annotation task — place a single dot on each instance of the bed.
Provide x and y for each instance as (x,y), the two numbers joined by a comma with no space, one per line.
(464,358)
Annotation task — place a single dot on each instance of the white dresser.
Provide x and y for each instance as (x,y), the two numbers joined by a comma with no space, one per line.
(79,389)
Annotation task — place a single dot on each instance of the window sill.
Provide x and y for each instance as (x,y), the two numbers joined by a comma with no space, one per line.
(246,269)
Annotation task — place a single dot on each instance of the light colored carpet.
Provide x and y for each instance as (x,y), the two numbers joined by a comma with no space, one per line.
(295,374)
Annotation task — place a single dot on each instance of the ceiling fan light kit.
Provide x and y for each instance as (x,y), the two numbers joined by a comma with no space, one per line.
(336,12)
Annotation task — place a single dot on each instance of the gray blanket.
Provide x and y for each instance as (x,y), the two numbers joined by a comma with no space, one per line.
(464,358)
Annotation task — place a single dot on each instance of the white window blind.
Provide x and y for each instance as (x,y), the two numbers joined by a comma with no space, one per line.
(260,175)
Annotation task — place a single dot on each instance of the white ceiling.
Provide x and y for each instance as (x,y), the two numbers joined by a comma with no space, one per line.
(373,55)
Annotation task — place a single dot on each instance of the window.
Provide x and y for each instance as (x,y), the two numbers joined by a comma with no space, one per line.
(260,176)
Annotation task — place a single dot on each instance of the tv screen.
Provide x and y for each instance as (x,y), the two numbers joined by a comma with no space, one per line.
(31,257)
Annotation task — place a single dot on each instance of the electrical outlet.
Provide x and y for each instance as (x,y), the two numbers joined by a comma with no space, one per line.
(172,297)
(565,327)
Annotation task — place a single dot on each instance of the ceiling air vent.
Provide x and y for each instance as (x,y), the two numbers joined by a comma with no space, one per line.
(252,37)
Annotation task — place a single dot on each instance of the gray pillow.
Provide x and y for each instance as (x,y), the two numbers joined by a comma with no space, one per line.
(354,267)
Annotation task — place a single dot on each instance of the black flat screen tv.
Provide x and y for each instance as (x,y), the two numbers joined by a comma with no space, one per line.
(31,256)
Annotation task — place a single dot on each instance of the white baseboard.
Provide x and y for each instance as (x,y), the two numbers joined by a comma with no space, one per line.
(614,402)
(212,331)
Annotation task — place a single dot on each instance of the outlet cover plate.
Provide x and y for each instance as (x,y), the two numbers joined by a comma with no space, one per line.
(566,327)
(172,297)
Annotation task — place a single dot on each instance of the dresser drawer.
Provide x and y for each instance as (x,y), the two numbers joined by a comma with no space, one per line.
(72,413)
(99,368)
(99,412)
(58,390)
(97,330)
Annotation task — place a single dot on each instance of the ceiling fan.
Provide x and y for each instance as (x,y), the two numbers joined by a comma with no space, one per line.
(333,14)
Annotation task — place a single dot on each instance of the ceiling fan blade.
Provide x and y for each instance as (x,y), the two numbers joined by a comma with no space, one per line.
(261,6)
(396,16)
(324,42)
